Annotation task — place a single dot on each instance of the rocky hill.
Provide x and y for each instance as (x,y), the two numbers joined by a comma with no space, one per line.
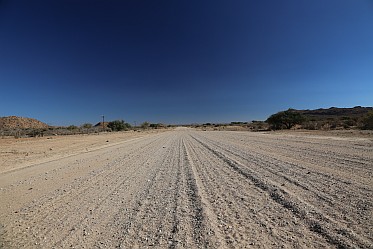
(335,118)
(337,113)
(13,122)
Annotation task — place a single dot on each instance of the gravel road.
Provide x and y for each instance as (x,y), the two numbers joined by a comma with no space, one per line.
(196,189)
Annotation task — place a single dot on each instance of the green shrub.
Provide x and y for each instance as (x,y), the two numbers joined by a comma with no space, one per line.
(367,122)
(72,127)
(145,125)
(118,125)
(87,126)
(156,126)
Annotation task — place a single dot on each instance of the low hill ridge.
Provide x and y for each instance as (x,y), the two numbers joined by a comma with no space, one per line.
(14,122)
(340,111)
(335,112)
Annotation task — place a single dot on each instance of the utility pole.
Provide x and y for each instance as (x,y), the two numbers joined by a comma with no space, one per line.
(103,122)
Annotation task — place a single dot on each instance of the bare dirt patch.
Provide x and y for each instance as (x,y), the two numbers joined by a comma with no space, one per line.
(23,152)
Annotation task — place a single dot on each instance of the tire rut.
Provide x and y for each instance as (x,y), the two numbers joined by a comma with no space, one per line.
(327,191)
(315,221)
(194,189)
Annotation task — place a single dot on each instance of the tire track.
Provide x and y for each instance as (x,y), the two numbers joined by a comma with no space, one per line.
(229,194)
(76,200)
(110,205)
(194,189)
(316,221)
(205,234)
(317,152)
(326,192)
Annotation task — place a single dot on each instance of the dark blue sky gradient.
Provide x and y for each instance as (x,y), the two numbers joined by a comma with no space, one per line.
(68,62)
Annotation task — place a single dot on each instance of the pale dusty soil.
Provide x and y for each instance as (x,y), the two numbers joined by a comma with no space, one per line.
(193,189)
(332,133)
(22,152)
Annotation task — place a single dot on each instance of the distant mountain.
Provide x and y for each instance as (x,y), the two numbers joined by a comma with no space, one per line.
(14,122)
(336,113)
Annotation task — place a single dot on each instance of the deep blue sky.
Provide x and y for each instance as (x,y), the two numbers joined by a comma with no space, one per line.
(69,62)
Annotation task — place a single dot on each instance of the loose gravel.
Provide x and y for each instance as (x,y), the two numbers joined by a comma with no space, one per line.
(196,189)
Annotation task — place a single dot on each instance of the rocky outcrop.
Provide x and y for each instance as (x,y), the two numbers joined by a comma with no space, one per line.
(14,122)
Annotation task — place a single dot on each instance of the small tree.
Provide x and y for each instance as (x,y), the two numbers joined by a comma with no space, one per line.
(86,126)
(72,127)
(145,125)
(118,125)
(367,122)
(285,119)
(156,126)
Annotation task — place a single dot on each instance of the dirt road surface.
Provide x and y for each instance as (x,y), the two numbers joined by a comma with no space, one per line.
(195,189)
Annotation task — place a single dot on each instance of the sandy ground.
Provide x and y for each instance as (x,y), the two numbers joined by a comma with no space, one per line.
(23,152)
(188,189)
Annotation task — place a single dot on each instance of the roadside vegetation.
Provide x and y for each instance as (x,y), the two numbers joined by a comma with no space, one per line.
(86,128)
(323,119)
(356,118)
(119,125)
(367,122)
